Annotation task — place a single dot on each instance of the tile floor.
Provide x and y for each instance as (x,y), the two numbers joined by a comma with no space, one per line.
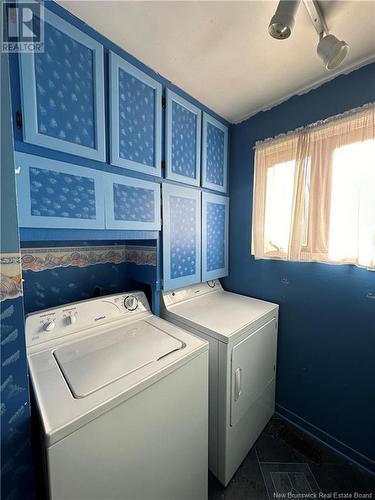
(274,466)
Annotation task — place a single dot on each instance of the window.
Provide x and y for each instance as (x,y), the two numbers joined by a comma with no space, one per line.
(314,193)
(352,214)
(279,194)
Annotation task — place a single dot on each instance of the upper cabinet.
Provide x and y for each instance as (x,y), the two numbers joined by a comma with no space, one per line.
(63,92)
(135,118)
(183,140)
(215,219)
(131,203)
(181,236)
(214,154)
(53,194)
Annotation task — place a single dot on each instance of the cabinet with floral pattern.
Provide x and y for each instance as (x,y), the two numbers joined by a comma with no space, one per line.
(181,236)
(62,90)
(215,220)
(135,117)
(183,140)
(214,154)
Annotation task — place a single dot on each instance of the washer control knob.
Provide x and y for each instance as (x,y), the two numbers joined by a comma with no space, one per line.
(71,319)
(131,303)
(49,326)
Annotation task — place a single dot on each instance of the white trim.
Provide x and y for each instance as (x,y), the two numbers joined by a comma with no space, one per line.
(169,174)
(115,63)
(215,187)
(29,101)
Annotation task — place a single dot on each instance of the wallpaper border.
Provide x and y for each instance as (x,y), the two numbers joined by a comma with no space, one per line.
(10,276)
(41,259)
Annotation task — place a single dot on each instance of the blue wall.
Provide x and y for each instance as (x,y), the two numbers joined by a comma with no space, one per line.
(62,285)
(45,287)
(16,473)
(326,350)
(15,411)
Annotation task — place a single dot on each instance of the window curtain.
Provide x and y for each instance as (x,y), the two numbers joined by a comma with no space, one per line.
(314,192)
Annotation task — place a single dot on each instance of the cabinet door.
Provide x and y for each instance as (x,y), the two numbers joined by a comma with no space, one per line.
(183,140)
(131,203)
(63,91)
(53,194)
(215,215)
(214,154)
(181,236)
(135,105)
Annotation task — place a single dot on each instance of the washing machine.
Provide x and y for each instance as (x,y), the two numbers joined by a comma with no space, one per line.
(123,401)
(242,336)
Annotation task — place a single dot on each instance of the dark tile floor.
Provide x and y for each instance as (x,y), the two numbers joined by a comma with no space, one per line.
(284,460)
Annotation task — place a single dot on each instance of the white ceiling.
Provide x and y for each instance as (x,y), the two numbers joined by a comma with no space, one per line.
(221,52)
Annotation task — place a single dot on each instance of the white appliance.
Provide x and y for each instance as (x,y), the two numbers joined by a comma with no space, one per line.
(123,401)
(242,336)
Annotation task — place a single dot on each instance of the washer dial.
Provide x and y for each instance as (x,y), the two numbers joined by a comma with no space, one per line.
(131,303)
(49,325)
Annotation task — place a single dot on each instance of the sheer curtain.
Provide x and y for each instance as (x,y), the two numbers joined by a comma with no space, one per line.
(314,193)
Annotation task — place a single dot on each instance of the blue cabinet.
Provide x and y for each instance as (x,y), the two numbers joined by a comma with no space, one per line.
(215,221)
(53,194)
(63,91)
(181,236)
(131,203)
(183,140)
(135,118)
(214,154)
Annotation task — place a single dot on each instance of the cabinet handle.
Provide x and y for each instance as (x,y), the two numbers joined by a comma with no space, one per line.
(237,384)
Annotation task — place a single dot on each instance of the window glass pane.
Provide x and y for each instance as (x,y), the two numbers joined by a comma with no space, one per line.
(279,195)
(307,182)
(352,215)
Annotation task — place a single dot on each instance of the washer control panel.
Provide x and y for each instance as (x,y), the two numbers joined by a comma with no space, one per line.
(131,302)
(181,294)
(56,322)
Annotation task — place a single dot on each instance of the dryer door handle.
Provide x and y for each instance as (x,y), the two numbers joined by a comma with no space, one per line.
(237,384)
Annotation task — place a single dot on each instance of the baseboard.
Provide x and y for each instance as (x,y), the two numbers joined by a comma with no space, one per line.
(326,439)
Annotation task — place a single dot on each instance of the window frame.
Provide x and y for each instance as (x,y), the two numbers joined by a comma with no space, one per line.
(312,150)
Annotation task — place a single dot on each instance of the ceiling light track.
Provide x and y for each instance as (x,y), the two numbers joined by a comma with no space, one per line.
(330,49)
(316,16)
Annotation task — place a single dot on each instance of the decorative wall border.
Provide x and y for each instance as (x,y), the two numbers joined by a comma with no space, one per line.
(10,276)
(142,256)
(41,259)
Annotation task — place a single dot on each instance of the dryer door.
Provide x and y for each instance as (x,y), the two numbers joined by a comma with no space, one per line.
(253,368)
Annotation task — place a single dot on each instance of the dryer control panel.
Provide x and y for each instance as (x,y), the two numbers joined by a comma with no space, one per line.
(57,322)
(182,294)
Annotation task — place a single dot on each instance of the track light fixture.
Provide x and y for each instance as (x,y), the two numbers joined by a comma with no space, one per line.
(283,20)
(330,49)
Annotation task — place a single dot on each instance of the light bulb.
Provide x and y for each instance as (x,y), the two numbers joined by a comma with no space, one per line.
(332,51)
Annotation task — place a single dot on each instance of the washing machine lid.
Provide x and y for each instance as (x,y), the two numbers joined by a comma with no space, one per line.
(94,362)
(220,314)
